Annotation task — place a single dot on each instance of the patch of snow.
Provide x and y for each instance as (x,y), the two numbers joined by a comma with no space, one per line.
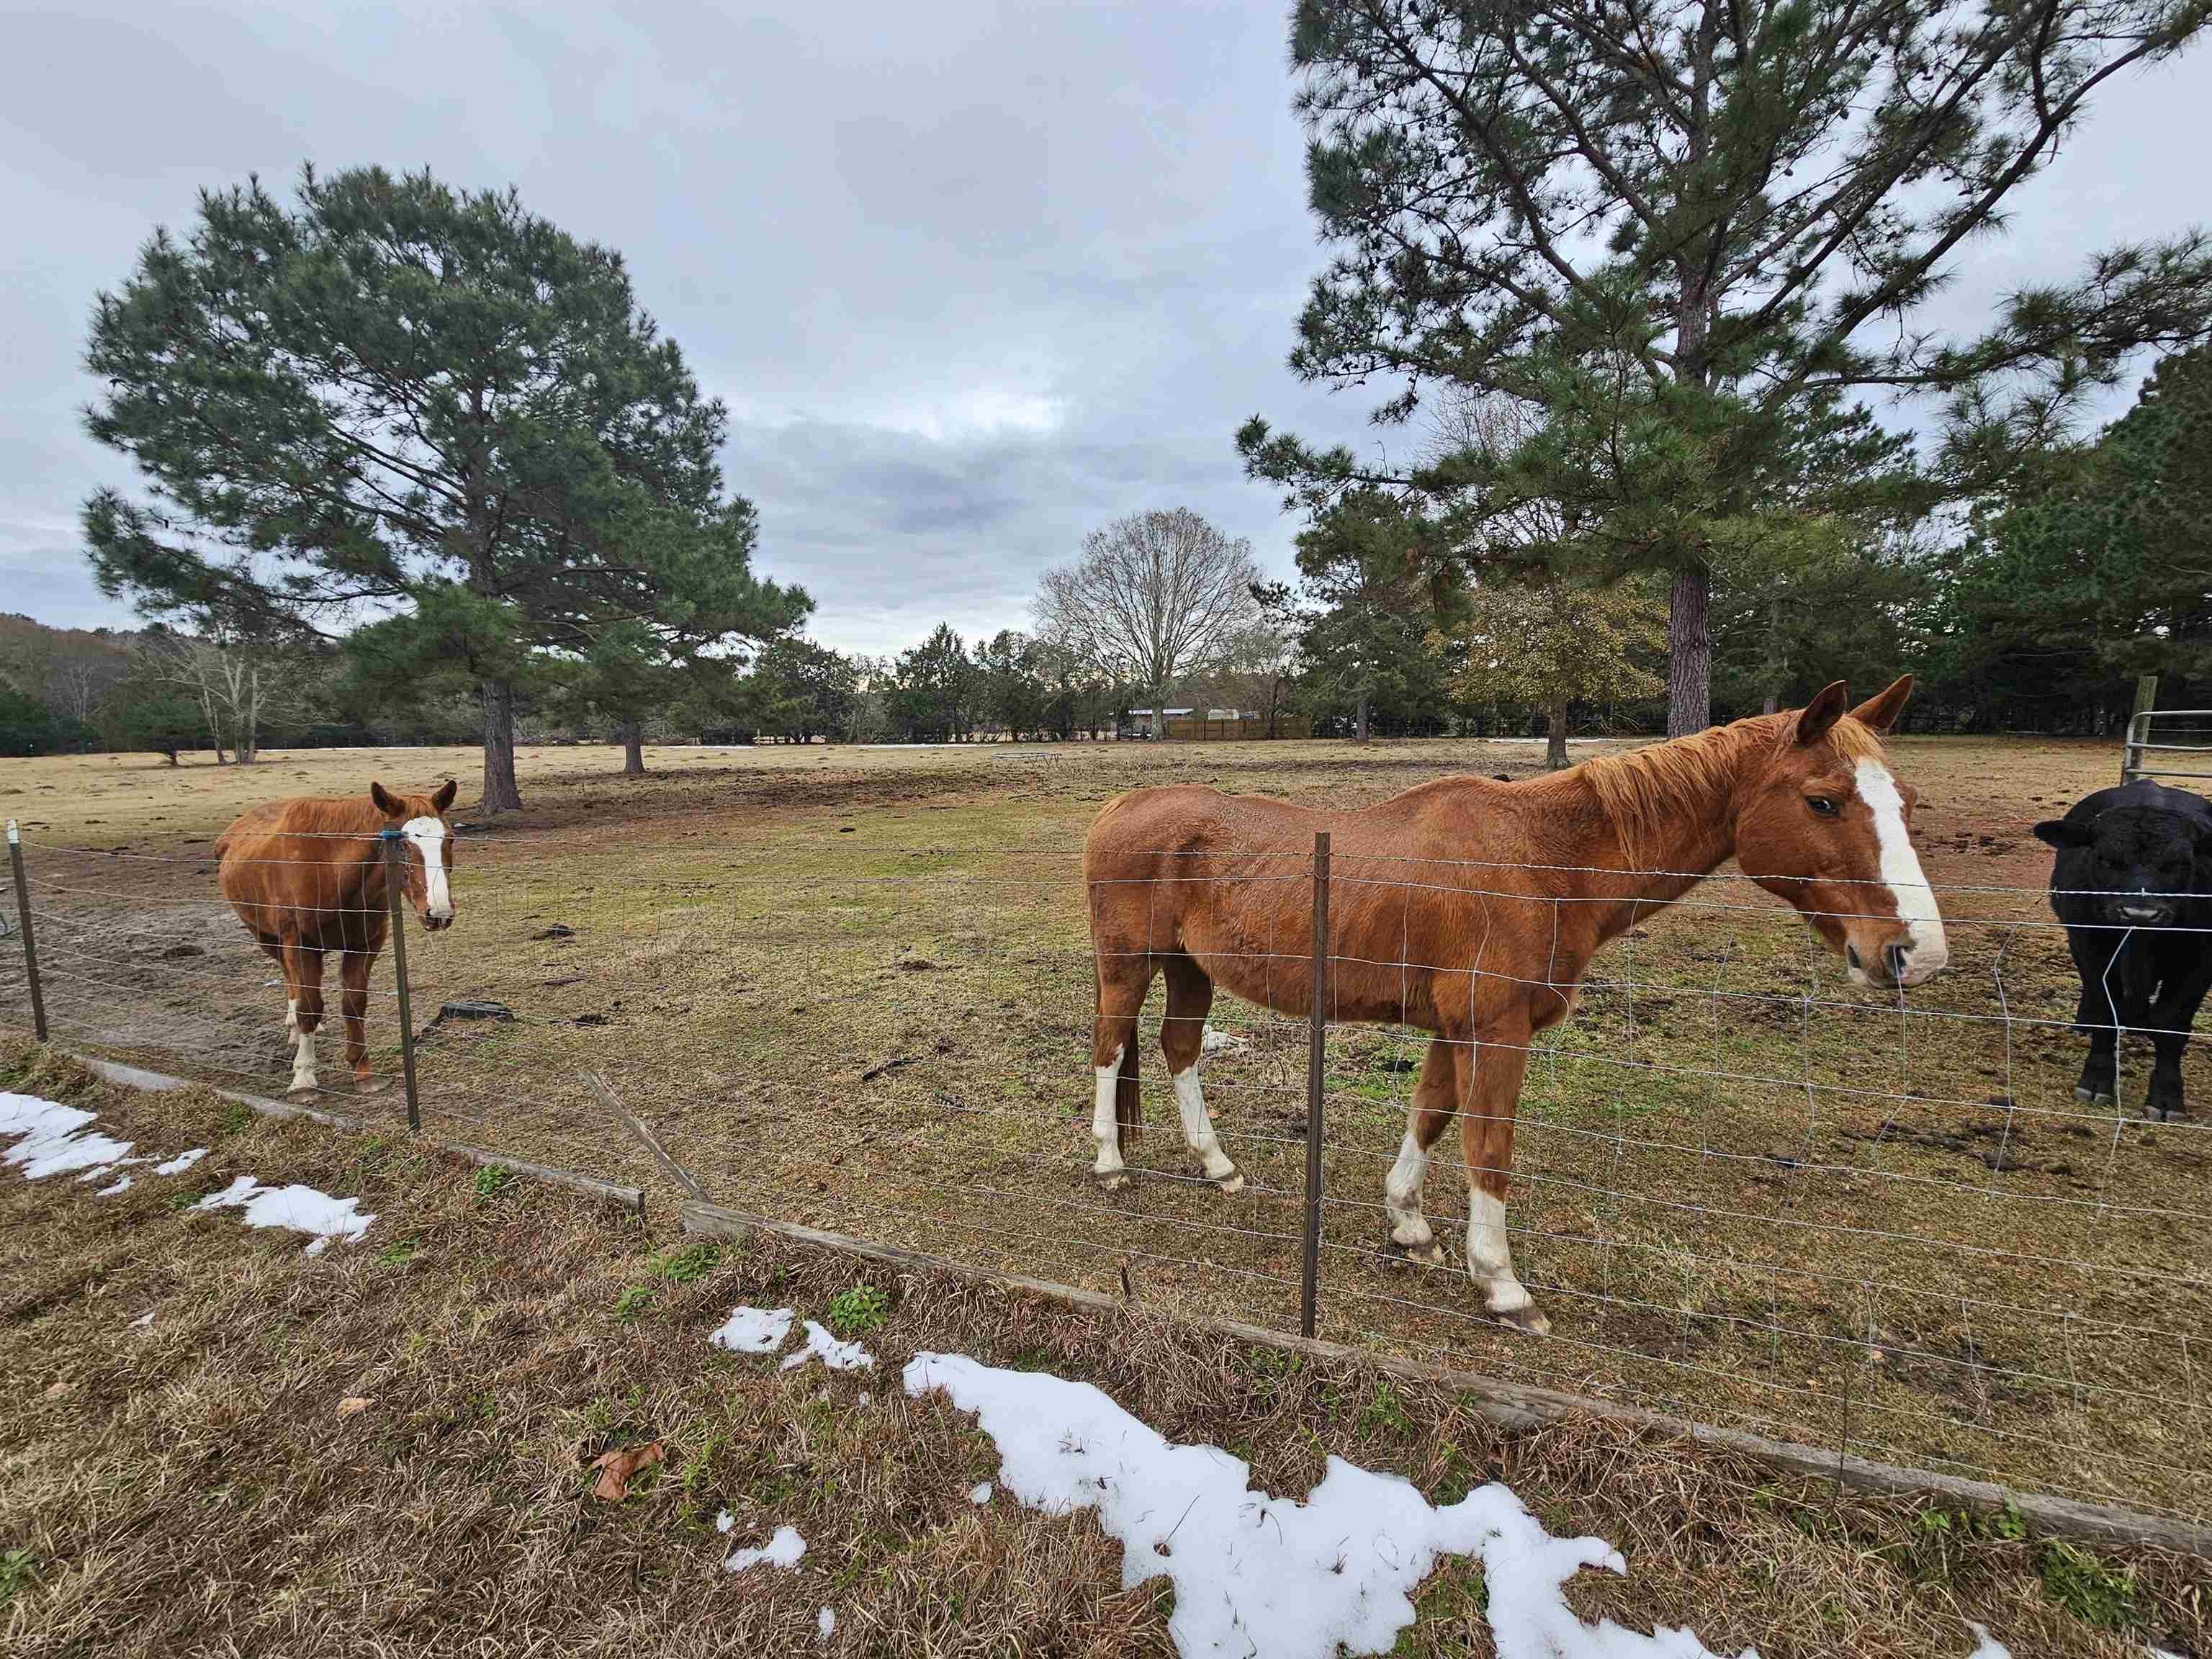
(1268,1575)
(979,1494)
(103,1169)
(122,1184)
(144,1321)
(864,1396)
(782,1550)
(1988,1645)
(754,1330)
(826,1622)
(181,1162)
(300,1209)
(837,1356)
(725,1521)
(49,1138)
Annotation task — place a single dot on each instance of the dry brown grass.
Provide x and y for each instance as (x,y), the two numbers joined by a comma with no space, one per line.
(190,1488)
(852,988)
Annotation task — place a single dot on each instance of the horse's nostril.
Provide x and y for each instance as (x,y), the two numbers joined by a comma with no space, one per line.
(1851,955)
(1894,957)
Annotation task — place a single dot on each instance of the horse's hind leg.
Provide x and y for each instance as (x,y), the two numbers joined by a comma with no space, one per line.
(1434,1103)
(1490,1076)
(1124,977)
(1182,1038)
(354,969)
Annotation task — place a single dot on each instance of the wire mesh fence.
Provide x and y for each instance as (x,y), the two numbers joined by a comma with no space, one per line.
(1744,1191)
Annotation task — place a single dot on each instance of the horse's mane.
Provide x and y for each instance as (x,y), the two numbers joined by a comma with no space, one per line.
(1641,790)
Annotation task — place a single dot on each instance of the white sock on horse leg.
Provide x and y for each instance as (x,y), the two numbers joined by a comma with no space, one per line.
(1198,1131)
(292,1014)
(1401,1195)
(1103,1129)
(1490,1256)
(303,1060)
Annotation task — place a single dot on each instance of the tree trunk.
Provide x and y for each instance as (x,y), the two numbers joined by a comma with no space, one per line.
(1555,746)
(1360,729)
(633,742)
(1777,661)
(501,792)
(1690,655)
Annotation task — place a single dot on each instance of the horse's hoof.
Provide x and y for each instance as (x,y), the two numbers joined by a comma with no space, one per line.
(1530,1319)
(2092,1096)
(1430,1254)
(1112,1182)
(1231,1183)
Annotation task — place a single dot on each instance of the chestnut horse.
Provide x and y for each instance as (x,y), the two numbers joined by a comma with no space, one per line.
(1471,910)
(308,875)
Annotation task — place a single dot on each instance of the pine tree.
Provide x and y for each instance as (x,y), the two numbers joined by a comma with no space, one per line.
(1692,228)
(390,397)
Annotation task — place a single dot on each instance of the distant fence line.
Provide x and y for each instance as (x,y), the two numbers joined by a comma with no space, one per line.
(1740,1191)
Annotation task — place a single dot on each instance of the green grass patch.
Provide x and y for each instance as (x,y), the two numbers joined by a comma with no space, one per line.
(858,1309)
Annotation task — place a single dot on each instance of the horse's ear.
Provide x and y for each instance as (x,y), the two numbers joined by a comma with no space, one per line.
(387,803)
(1882,712)
(444,798)
(1823,712)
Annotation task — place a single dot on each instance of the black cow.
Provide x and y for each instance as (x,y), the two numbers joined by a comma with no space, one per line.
(2133,883)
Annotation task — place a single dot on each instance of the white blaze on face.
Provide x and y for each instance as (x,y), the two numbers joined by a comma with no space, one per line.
(427,836)
(1900,872)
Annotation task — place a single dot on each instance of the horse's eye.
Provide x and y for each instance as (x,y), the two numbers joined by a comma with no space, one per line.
(1822,804)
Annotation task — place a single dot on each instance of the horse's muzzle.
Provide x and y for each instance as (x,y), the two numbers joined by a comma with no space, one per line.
(437,924)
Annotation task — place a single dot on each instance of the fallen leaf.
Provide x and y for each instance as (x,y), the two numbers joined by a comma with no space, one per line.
(355,1402)
(55,1391)
(616,1468)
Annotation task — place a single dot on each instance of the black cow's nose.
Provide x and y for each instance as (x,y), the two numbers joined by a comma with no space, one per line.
(1893,958)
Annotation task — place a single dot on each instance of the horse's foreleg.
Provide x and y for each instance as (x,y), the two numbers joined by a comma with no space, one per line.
(1433,1098)
(1183,1039)
(303,973)
(1490,1074)
(1123,978)
(354,968)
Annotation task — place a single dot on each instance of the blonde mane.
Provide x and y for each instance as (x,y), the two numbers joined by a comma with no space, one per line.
(1642,790)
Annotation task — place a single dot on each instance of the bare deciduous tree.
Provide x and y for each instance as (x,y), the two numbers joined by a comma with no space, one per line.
(1155,598)
(233,683)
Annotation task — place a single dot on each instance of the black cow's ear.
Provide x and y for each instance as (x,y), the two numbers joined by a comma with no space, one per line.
(2062,833)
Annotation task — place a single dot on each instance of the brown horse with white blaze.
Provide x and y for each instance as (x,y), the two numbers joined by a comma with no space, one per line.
(307,876)
(1471,910)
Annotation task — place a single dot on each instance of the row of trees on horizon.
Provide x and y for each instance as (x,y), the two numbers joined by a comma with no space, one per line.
(422,457)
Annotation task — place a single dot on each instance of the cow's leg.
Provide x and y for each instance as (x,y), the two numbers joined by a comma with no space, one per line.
(1124,977)
(1183,1039)
(354,969)
(2092,949)
(2180,994)
(1489,1073)
(1434,1102)
(303,970)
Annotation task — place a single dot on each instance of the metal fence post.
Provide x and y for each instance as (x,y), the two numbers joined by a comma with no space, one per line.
(395,894)
(1317,1059)
(30,945)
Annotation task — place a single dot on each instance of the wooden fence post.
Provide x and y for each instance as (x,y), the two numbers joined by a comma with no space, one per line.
(2138,726)
(30,944)
(395,895)
(1316,1059)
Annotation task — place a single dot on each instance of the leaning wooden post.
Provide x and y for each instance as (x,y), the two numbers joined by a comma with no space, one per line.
(395,895)
(30,945)
(1317,1059)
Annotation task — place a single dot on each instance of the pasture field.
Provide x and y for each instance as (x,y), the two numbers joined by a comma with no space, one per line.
(852,988)
(218,1443)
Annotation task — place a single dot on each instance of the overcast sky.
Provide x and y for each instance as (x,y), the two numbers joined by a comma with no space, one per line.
(971,279)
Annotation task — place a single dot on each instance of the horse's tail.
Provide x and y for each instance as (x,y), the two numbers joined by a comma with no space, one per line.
(1128,1103)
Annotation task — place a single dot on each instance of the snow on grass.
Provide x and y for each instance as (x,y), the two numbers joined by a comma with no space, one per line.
(725,1521)
(979,1494)
(783,1549)
(1258,1574)
(754,1330)
(837,1356)
(826,1622)
(122,1184)
(182,1162)
(50,1138)
(300,1209)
